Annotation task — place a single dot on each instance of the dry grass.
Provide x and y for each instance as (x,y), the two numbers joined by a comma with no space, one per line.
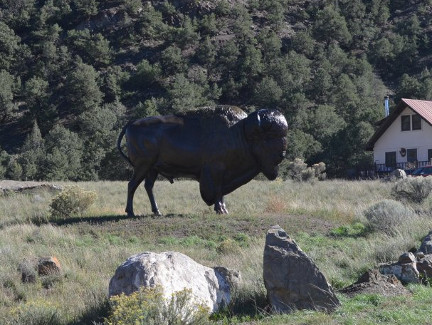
(90,247)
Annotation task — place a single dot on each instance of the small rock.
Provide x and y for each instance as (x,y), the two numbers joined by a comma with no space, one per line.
(233,277)
(48,266)
(373,281)
(426,246)
(419,255)
(424,266)
(407,258)
(398,174)
(407,272)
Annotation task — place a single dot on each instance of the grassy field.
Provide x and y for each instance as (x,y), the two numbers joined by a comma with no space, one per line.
(325,218)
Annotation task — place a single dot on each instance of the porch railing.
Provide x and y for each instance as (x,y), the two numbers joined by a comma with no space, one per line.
(407,166)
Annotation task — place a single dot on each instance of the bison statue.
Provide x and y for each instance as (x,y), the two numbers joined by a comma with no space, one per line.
(221,147)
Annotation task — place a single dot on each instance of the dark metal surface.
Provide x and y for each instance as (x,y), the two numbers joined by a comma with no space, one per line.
(221,147)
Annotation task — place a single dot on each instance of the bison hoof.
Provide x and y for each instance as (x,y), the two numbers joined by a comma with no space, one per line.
(221,210)
(131,214)
(157,213)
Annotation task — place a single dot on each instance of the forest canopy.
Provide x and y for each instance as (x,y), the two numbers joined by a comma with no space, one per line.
(72,72)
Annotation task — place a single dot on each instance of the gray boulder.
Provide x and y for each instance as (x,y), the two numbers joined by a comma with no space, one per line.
(398,174)
(426,245)
(424,266)
(405,269)
(173,272)
(292,279)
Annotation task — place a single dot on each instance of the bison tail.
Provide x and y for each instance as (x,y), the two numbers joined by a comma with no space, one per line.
(119,140)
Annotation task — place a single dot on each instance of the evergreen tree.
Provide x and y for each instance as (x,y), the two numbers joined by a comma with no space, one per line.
(7,105)
(331,25)
(9,44)
(185,95)
(267,93)
(32,154)
(4,161)
(98,129)
(82,88)
(64,150)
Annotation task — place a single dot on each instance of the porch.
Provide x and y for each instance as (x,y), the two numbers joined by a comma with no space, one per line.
(407,166)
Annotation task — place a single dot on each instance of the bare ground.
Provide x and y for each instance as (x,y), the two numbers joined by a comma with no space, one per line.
(21,186)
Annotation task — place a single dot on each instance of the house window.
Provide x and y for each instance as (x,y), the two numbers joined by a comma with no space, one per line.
(411,155)
(416,122)
(429,156)
(406,122)
(390,159)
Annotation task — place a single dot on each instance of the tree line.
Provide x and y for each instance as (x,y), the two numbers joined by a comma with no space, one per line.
(72,72)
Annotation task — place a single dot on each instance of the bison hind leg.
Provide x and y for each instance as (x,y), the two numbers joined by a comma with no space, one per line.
(148,185)
(137,177)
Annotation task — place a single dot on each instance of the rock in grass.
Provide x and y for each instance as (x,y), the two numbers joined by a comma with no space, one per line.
(424,266)
(373,282)
(42,266)
(292,279)
(426,245)
(405,272)
(49,266)
(173,272)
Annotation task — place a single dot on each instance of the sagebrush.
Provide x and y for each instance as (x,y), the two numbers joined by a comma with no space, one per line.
(412,189)
(388,216)
(72,201)
(148,306)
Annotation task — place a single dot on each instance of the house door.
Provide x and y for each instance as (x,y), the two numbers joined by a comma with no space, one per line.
(411,155)
(390,159)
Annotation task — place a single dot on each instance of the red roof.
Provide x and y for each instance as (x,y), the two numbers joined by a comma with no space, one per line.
(421,107)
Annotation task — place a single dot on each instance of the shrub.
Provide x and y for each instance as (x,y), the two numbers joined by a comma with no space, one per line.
(148,306)
(299,171)
(388,216)
(412,189)
(35,312)
(228,246)
(71,201)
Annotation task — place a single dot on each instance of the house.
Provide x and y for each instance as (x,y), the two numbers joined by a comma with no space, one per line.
(404,138)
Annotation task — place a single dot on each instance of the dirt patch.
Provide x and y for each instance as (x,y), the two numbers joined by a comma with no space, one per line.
(209,227)
(8,186)
(375,282)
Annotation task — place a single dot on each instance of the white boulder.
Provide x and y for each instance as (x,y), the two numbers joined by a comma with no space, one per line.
(174,272)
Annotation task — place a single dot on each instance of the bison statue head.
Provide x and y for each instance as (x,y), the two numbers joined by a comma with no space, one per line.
(266,131)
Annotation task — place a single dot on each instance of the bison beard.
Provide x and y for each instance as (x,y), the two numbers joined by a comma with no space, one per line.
(221,147)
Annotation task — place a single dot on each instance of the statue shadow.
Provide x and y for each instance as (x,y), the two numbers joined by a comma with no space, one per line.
(97,220)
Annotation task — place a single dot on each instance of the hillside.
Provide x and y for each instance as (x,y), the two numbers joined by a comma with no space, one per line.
(73,71)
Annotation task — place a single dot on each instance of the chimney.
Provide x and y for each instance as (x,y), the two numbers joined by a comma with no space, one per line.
(386,106)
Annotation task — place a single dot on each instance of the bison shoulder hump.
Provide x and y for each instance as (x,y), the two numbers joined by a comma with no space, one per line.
(151,120)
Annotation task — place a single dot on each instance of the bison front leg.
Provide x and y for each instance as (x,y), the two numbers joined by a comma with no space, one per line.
(220,206)
(211,188)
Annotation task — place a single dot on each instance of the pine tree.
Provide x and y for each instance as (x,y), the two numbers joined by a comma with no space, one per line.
(32,154)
